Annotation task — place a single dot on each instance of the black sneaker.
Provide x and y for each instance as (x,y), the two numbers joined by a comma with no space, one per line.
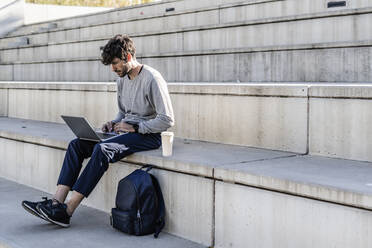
(31,206)
(55,213)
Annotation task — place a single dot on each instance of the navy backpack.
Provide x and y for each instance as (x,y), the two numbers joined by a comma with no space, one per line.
(140,208)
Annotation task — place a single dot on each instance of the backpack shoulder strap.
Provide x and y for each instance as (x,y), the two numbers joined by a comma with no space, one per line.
(160,222)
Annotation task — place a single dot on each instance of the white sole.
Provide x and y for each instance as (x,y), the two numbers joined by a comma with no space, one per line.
(31,211)
(53,221)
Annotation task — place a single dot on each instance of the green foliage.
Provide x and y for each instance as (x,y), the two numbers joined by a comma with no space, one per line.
(92,3)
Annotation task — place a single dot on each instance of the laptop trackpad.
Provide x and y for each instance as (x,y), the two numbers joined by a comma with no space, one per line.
(106,135)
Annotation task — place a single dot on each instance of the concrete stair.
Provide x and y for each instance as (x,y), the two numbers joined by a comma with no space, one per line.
(272,105)
(330,120)
(212,17)
(202,177)
(89,227)
(270,32)
(231,10)
(237,192)
(205,40)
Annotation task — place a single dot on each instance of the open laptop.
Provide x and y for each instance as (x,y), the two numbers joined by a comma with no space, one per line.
(83,130)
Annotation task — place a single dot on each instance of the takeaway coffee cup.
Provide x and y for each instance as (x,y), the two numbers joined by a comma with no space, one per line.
(167,143)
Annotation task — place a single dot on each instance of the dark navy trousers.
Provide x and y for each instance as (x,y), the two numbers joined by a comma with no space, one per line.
(101,153)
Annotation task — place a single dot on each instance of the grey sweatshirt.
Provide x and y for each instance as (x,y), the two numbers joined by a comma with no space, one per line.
(145,100)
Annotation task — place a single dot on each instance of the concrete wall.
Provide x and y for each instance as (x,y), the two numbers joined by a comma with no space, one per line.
(343,62)
(182,217)
(11,15)
(258,116)
(35,13)
(270,117)
(241,13)
(213,212)
(134,12)
(265,219)
(340,122)
(49,105)
(302,48)
(3,102)
(333,122)
(39,167)
(354,28)
(247,10)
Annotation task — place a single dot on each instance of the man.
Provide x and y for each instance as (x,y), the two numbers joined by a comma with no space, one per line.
(145,110)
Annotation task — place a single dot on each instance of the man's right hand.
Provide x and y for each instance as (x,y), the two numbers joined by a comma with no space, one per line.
(108,127)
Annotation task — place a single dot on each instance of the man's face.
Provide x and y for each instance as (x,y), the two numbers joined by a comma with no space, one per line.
(120,67)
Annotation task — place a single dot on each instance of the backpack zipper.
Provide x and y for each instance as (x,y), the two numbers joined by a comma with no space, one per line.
(138,208)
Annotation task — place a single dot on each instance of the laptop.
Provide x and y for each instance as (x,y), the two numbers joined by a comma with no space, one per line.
(83,130)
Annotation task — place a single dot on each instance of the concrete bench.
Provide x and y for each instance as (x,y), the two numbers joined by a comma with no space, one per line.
(274,116)
(217,194)
(330,120)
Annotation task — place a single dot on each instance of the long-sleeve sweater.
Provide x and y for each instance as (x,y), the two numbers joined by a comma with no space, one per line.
(145,101)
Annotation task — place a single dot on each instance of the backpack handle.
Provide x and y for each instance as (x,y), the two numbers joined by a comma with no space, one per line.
(148,166)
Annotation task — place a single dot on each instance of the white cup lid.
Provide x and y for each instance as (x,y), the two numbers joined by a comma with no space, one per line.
(167,133)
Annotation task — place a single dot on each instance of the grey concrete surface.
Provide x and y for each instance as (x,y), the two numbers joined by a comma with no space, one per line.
(275,115)
(230,11)
(343,181)
(308,65)
(68,86)
(37,13)
(134,13)
(285,64)
(347,106)
(266,219)
(341,91)
(189,156)
(39,167)
(293,30)
(346,130)
(11,16)
(37,141)
(347,183)
(89,227)
(3,102)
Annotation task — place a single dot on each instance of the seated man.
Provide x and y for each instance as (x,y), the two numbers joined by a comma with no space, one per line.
(145,110)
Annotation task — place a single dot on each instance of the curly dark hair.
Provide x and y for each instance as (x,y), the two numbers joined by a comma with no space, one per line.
(117,47)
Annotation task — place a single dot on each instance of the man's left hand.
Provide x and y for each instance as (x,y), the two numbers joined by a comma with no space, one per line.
(123,127)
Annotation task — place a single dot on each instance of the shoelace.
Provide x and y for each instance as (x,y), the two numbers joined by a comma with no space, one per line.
(46,200)
(49,201)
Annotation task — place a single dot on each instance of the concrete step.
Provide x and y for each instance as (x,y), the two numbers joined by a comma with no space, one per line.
(11,16)
(283,110)
(186,177)
(89,227)
(230,11)
(130,14)
(204,35)
(275,170)
(330,120)
(259,11)
(329,62)
(219,195)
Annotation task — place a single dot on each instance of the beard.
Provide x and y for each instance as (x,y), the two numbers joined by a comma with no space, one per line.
(124,72)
